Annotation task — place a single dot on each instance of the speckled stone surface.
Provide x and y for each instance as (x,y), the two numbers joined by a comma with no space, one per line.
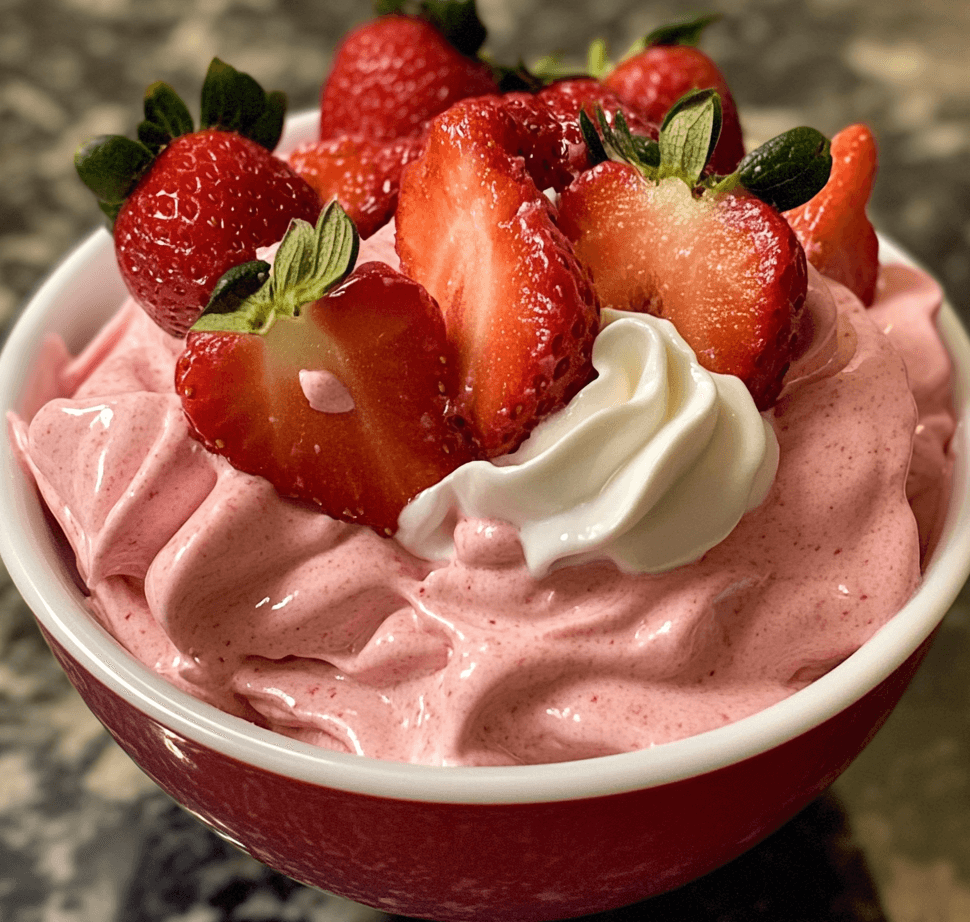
(84,836)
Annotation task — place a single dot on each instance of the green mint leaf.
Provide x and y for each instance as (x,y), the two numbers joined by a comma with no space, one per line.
(688,134)
(111,165)
(166,117)
(788,170)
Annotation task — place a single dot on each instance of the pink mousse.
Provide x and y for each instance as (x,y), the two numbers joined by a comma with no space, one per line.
(329,633)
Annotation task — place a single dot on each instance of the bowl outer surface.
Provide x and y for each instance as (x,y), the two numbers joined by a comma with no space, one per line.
(494,862)
(691,792)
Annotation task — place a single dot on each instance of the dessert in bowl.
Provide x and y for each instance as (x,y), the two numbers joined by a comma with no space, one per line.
(471,841)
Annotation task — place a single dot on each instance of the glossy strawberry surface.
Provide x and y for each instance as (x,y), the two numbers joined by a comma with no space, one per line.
(833,227)
(210,199)
(474,229)
(553,145)
(361,174)
(391,75)
(653,80)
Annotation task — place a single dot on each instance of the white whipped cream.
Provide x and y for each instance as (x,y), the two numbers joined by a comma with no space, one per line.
(650,465)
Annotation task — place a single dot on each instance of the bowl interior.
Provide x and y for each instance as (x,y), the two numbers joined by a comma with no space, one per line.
(84,291)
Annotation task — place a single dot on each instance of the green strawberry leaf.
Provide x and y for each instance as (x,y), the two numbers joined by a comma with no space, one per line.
(788,170)
(309,261)
(687,32)
(166,117)
(110,166)
(689,131)
(234,101)
(458,20)
(236,285)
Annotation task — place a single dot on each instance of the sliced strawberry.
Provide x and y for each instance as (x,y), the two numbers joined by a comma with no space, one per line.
(553,145)
(393,74)
(475,231)
(833,226)
(187,205)
(362,175)
(665,65)
(340,398)
(710,256)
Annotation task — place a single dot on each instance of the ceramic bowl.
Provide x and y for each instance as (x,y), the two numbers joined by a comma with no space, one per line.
(515,843)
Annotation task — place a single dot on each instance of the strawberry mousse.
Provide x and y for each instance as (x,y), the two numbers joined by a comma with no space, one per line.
(552,428)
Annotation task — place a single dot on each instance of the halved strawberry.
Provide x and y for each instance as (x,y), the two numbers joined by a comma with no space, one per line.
(362,175)
(394,73)
(707,254)
(660,68)
(187,205)
(833,226)
(337,395)
(475,231)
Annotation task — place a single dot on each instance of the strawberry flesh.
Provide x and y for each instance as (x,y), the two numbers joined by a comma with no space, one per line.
(475,231)
(723,267)
(381,431)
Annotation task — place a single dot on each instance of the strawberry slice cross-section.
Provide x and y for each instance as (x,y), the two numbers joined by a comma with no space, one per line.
(336,386)
(476,232)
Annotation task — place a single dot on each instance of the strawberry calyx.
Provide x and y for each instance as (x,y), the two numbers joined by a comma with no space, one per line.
(309,262)
(112,165)
(457,20)
(784,172)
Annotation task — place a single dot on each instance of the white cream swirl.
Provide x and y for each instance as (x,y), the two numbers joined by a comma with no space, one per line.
(650,465)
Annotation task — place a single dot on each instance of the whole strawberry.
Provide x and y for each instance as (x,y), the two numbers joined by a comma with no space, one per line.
(665,65)
(185,205)
(394,73)
(711,254)
(334,385)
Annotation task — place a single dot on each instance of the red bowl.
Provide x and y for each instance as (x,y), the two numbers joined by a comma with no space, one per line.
(517,843)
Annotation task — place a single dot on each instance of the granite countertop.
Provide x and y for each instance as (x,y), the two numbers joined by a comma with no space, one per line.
(84,836)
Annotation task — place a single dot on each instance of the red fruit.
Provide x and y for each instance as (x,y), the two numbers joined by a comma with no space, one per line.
(722,265)
(552,140)
(187,205)
(372,356)
(475,231)
(653,80)
(362,175)
(394,73)
(210,200)
(833,226)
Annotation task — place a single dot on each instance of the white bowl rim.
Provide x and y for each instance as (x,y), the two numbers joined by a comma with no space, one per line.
(48,590)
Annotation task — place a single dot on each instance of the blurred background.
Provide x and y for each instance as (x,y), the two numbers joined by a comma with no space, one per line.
(83,835)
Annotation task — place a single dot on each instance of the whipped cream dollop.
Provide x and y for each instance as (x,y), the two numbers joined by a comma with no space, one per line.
(653,463)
